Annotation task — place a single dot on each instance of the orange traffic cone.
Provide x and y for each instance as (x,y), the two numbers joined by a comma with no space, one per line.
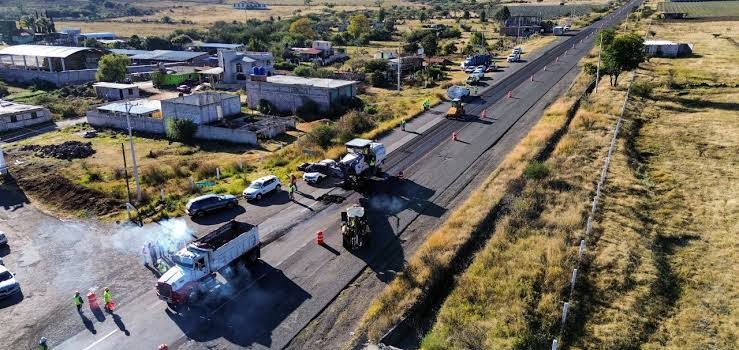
(532,78)
(483,114)
(454,136)
(545,68)
(510,94)
(319,237)
(93,300)
(557,60)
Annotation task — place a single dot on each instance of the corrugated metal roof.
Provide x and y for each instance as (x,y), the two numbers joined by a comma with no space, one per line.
(44,50)
(218,46)
(114,85)
(168,55)
(128,52)
(137,106)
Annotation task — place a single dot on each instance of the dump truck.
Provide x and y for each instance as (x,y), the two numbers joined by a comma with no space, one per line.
(355,231)
(363,160)
(477,60)
(196,265)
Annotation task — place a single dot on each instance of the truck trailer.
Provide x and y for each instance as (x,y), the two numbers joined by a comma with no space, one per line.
(196,265)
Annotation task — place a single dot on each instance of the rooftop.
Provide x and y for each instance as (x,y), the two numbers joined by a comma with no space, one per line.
(127,52)
(7,107)
(307,50)
(218,46)
(315,82)
(160,55)
(141,106)
(201,99)
(115,85)
(44,50)
(659,42)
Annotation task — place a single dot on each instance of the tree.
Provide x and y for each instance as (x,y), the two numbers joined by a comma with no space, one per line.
(358,25)
(166,19)
(322,135)
(450,48)
(135,42)
(307,2)
(430,45)
(304,27)
(466,14)
(423,16)
(478,39)
(112,68)
(410,47)
(27,22)
(375,65)
(181,40)
(483,16)
(502,14)
(625,53)
(181,130)
(156,43)
(377,78)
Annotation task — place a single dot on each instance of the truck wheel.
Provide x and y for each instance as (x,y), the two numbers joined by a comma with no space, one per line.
(346,243)
(252,258)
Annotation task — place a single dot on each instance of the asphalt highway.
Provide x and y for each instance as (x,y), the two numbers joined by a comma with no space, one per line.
(265,308)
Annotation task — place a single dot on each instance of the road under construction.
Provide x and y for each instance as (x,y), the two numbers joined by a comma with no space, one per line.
(298,282)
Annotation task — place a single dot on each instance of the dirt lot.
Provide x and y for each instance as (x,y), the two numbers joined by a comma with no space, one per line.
(53,258)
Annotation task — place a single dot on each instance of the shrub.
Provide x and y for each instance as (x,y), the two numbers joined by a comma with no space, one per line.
(377,79)
(3,90)
(370,109)
(322,135)
(304,71)
(642,89)
(267,107)
(284,65)
(536,171)
(181,130)
(40,84)
(352,124)
(156,175)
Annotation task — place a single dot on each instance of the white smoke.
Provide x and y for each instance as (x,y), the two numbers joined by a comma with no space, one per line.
(169,234)
(387,204)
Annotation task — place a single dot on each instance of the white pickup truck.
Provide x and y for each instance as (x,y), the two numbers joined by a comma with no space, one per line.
(197,264)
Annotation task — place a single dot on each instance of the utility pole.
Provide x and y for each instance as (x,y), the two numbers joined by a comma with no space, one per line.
(597,70)
(125,174)
(128,106)
(399,62)
(518,29)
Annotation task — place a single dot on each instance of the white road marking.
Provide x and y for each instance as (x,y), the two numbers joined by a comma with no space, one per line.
(100,340)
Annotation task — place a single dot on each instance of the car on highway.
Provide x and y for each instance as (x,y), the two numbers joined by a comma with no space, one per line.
(199,206)
(513,57)
(517,50)
(262,186)
(3,238)
(566,28)
(8,284)
(469,69)
(314,177)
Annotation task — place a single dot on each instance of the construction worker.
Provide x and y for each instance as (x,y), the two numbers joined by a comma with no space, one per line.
(107,298)
(78,300)
(162,266)
(42,344)
(402,125)
(426,104)
(290,190)
(294,181)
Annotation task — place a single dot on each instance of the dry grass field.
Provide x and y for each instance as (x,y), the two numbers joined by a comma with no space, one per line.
(664,272)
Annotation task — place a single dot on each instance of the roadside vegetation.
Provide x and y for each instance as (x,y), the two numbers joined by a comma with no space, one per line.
(428,269)
(663,272)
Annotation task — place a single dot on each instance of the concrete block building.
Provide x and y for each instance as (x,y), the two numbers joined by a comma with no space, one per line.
(238,65)
(289,93)
(60,65)
(116,91)
(15,115)
(202,108)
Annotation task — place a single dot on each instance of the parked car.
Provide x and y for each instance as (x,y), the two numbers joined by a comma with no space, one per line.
(3,238)
(566,28)
(8,283)
(517,50)
(513,57)
(314,177)
(261,187)
(199,206)
(469,69)
(185,89)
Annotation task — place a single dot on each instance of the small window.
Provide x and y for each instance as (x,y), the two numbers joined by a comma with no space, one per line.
(34,115)
(130,91)
(13,118)
(239,68)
